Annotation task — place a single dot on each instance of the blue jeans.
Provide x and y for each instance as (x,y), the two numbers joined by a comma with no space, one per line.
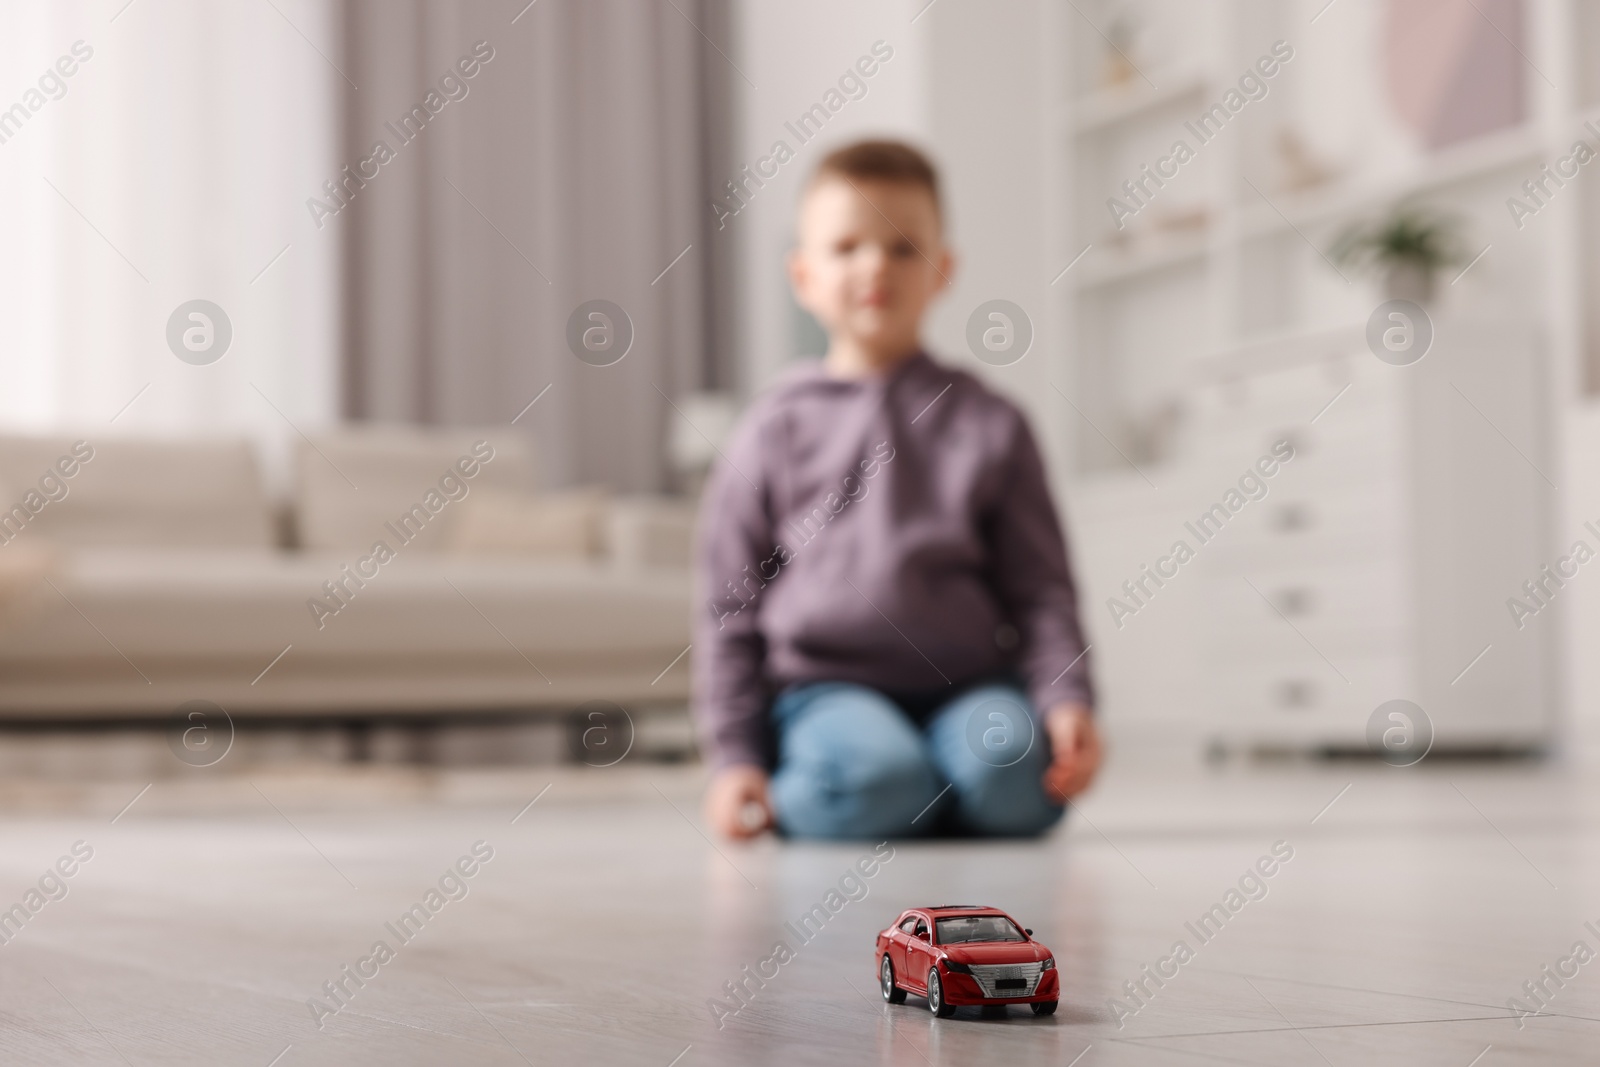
(853,764)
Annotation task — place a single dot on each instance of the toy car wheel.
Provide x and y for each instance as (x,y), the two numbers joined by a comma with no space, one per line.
(1047,1007)
(936,1002)
(891,992)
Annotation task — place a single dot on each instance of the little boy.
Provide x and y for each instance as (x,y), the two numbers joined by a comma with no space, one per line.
(886,641)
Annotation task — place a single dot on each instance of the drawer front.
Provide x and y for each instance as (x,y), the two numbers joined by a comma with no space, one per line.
(1313,527)
(1299,393)
(1300,701)
(1328,452)
(1357,439)
(1284,389)
(1356,605)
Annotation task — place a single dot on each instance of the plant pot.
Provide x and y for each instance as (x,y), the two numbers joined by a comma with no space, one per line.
(1408,280)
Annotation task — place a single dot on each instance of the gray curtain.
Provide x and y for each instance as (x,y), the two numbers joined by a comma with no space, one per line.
(573,168)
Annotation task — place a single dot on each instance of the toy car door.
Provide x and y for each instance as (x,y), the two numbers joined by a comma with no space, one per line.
(919,955)
(898,941)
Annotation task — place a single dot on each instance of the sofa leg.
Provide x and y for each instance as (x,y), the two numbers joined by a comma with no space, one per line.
(357,741)
(423,745)
(599,733)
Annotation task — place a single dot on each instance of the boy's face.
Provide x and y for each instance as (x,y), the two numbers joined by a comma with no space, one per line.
(869,259)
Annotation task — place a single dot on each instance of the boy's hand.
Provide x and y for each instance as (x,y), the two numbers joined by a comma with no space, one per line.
(1074,748)
(737,805)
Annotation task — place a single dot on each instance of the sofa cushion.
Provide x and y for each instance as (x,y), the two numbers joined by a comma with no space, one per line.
(142,631)
(570,524)
(400,484)
(25,574)
(176,605)
(651,531)
(196,493)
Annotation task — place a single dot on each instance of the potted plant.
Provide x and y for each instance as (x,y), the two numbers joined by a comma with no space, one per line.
(1409,246)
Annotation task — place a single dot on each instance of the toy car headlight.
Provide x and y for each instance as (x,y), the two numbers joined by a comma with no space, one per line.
(957,968)
(1049,964)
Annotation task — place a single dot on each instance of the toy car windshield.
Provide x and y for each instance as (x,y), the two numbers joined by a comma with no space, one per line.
(965,928)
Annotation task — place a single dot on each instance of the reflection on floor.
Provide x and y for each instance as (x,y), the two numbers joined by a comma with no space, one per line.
(228,920)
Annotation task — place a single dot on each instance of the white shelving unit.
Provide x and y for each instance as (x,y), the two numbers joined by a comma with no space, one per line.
(1220,284)
(1108,107)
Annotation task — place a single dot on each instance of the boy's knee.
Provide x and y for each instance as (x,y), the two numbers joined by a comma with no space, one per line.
(853,767)
(999,791)
(881,795)
(896,780)
(988,732)
(1006,801)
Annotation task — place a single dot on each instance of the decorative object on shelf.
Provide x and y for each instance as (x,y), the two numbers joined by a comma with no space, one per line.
(1456,70)
(1183,222)
(1122,239)
(1409,245)
(1119,71)
(1301,169)
(1190,219)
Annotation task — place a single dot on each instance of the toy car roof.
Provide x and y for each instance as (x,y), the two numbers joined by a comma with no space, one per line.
(962,909)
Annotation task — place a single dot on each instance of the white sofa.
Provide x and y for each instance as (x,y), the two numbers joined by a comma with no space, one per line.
(171,583)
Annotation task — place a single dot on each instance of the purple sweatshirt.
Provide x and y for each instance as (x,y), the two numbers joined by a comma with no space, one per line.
(896,532)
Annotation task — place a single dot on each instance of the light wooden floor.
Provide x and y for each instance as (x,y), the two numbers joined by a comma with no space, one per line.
(1412,909)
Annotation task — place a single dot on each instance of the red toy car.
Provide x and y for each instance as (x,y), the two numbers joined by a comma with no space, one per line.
(959,955)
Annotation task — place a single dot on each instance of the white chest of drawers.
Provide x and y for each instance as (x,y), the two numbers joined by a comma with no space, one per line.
(1379,563)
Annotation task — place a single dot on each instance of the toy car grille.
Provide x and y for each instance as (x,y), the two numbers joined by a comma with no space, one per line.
(1007,979)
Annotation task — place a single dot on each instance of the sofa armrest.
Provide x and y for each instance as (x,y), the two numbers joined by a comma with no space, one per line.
(650,531)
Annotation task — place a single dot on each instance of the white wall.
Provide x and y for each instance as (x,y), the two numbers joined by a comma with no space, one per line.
(792,54)
(1580,604)
(187,146)
(991,114)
